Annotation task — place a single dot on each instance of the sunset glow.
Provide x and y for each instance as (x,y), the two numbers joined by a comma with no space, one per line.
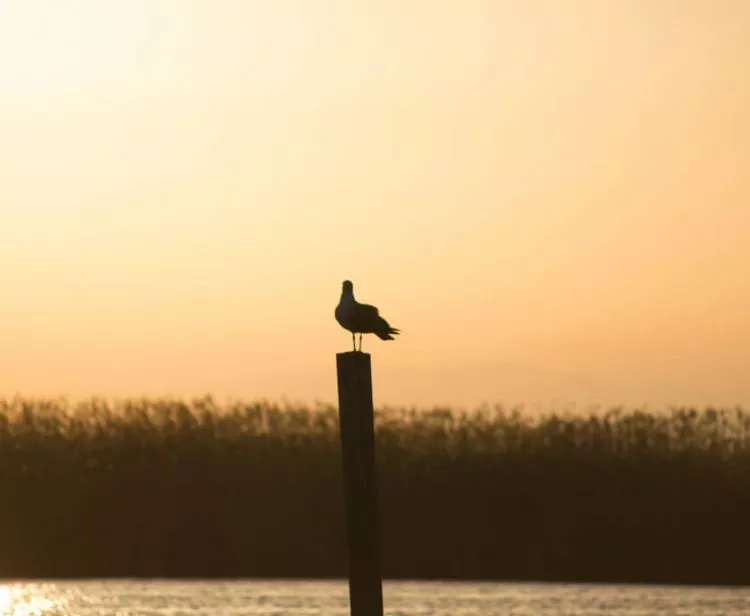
(551,201)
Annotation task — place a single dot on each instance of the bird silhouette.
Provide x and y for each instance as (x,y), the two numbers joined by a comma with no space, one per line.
(361,318)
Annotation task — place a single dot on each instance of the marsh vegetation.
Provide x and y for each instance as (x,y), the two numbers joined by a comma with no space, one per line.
(198,488)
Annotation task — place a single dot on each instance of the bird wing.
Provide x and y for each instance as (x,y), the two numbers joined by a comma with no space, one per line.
(366,318)
(367,311)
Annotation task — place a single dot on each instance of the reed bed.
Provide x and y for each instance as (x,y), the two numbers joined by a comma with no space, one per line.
(198,488)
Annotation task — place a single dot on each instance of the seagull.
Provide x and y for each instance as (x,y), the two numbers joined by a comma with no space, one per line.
(361,318)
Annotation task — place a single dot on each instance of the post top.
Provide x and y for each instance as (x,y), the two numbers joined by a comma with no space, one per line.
(352,354)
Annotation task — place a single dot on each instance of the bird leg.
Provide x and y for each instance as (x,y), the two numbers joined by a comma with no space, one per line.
(360,343)
(354,341)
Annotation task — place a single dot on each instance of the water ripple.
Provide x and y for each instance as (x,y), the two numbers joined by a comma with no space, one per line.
(288,598)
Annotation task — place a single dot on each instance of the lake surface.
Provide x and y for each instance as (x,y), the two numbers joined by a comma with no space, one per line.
(287,598)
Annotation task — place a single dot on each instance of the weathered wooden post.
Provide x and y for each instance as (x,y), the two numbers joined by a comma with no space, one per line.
(357,425)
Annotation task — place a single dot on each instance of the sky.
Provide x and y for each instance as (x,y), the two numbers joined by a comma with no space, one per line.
(551,200)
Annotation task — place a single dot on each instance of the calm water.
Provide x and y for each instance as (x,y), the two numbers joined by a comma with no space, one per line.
(162,598)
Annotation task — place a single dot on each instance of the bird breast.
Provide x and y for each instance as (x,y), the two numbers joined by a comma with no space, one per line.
(344,314)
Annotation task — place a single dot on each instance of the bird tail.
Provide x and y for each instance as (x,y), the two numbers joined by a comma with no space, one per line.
(387,333)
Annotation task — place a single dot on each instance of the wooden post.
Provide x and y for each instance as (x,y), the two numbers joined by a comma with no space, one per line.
(356,421)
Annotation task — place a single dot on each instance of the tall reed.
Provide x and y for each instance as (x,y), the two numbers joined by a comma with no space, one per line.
(149,487)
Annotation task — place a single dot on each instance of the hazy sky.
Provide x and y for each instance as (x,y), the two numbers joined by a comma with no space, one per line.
(550,199)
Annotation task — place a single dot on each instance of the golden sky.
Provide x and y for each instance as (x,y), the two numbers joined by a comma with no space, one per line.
(551,200)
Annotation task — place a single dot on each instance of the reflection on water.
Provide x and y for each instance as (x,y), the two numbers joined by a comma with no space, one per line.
(31,600)
(283,598)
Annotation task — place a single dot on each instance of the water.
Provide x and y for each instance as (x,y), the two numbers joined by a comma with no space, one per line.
(283,598)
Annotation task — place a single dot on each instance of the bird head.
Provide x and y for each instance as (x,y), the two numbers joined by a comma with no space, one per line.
(348,287)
